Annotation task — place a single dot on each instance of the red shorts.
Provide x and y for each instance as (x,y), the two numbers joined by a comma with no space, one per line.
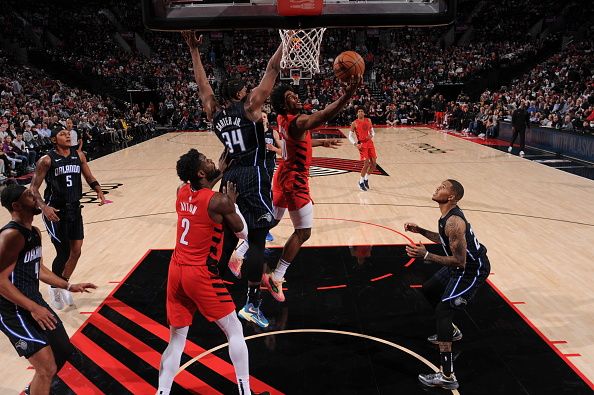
(191,287)
(288,192)
(367,150)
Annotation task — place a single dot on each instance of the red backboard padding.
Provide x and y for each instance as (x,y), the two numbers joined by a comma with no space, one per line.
(299,7)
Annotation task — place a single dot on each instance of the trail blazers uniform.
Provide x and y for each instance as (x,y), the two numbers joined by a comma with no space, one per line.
(193,280)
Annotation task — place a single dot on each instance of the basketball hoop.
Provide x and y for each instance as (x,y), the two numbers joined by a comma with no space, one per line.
(301,49)
(296,78)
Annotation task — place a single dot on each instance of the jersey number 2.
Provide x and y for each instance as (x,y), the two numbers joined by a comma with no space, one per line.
(236,138)
(186,225)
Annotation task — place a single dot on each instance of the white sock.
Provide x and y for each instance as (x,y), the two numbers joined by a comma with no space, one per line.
(366,177)
(281,269)
(361,180)
(238,350)
(242,249)
(171,358)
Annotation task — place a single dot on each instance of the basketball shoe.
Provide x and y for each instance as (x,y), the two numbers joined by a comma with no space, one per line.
(362,186)
(55,297)
(274,287)
(366,182)
(67,297)
(457,335)
(509,150)
(269,237)
(252,313)
(439,380)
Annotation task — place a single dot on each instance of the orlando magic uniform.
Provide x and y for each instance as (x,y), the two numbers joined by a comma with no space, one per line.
(24,333)
(246,144)
(270,155)
(462,283)
(63,192)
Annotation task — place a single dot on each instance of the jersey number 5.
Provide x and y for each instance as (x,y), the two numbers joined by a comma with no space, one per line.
(186,225)
(235,139)
(69,180)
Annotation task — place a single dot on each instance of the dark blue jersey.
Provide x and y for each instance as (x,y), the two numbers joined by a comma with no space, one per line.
(244,138)
(63,179)
(474,249)
(25,275)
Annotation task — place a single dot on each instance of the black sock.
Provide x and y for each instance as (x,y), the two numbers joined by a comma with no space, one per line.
(446,363)
(253,295)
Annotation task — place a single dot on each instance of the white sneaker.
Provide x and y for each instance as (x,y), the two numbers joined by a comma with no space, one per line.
(482,135)
(55,298)
(67,297)
(522,154)
(509,150)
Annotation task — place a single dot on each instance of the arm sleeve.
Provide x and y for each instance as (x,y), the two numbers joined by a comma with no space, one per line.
(352,138)
(242,234)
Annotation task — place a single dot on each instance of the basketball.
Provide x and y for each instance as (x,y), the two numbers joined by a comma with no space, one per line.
(348,64)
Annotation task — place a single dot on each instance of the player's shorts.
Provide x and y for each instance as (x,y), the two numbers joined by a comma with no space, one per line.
(70,225)
(255,195)
(460,290)
(26,336)
(367,151)
(291,190)
(191,288)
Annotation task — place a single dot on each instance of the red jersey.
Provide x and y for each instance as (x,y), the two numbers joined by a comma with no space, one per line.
(199,238)
(363,129)
(296,153)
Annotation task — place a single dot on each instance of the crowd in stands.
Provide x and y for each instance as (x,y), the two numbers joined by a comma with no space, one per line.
(32,104)
(403,70)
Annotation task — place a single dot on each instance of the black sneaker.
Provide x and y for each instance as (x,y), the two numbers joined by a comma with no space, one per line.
(439,380)
(362,186)
(260,393)
(366,182)
(457,335)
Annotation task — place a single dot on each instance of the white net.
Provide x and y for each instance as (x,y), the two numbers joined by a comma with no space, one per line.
(301,48)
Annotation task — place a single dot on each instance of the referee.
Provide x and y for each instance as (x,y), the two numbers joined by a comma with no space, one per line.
(33,329)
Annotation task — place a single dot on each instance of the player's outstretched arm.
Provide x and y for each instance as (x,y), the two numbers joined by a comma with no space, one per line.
(207,96)
(433,236)
(307,122)
(260,93)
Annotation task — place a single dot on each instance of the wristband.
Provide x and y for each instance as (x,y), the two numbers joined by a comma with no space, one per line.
(94,184)
(425,257)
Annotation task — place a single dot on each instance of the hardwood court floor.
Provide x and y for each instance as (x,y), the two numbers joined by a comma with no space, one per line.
(537,223)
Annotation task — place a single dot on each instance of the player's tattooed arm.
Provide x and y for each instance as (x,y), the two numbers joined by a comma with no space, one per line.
(41,170)
(455,230)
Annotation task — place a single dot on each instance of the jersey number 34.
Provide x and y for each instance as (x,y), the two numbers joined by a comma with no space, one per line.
(233,140)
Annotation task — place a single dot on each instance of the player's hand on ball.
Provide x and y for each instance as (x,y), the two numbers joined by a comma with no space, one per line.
(353,84)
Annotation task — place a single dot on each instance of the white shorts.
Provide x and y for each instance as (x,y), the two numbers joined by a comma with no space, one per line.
(301,219)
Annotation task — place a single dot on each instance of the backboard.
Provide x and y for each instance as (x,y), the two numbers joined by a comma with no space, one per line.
(176,15)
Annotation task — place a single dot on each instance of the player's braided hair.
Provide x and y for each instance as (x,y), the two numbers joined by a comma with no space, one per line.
(277,98)
(187,168)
